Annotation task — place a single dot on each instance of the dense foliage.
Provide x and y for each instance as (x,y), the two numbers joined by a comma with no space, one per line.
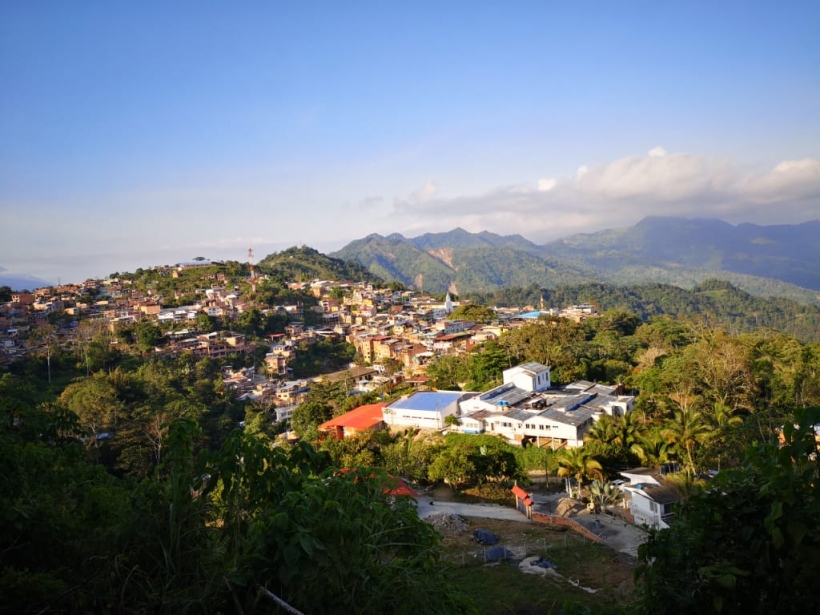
(206,532)
(750,542)
(713,301)
(306,264)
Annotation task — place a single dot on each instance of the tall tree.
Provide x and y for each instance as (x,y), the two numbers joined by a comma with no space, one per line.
(686,431)
(578,463)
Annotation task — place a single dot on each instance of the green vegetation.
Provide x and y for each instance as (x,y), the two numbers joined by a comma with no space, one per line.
(473,312)
(764,261)
(206,533)
(714,302)
(749,543)
(305,264)
(127,484)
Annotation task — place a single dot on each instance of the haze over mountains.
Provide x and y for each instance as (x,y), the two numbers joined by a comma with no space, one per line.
(20,281)
(782,260)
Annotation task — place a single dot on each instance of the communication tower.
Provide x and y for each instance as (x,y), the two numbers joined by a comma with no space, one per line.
(253,271)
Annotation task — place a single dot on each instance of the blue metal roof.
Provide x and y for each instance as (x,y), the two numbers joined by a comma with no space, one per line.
(532,315)
(427,401)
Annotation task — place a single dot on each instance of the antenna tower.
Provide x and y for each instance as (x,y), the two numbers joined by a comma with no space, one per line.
(253,271)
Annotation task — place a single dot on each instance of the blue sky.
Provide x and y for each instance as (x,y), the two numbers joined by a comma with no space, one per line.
(149,133)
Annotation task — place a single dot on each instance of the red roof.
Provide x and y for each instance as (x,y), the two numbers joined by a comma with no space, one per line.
(363,417)
(401,487)
(519,492)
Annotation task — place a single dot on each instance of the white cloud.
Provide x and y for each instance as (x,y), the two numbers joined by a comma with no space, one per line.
(621,192)
(426,193)
(788,180)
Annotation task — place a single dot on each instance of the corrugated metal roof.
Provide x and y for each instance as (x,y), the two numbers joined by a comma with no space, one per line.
(426,401)
(575,418)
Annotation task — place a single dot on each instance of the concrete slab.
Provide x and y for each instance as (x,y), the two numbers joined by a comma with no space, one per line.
(488,511)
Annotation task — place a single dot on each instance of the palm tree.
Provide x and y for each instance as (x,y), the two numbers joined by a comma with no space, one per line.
(576,462)
(604,494)
(603,431)
(652,448)
(687,430)
(724,417)
(686,484)
(628,430)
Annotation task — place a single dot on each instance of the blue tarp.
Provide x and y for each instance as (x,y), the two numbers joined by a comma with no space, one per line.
(485,537)
(497,553)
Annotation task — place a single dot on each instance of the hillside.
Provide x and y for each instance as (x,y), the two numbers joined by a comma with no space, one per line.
(713,301)
(307,264)
(788,253)
(459,261)
(777,261)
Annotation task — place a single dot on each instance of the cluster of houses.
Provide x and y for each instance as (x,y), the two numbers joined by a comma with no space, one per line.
(387,327)
(525,409)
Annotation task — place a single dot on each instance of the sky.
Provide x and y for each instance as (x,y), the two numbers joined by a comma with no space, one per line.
(149,133)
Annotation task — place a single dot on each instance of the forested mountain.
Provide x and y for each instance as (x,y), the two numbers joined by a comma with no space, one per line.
(789,253)
(713,301)
(767,261)
(459,261)
(307,264)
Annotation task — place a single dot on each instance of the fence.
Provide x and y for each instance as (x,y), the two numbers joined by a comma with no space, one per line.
(517,551)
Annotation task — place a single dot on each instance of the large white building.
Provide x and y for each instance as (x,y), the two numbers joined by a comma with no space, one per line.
(524,408)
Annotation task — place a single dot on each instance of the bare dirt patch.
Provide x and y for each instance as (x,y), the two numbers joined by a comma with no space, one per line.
(588,574)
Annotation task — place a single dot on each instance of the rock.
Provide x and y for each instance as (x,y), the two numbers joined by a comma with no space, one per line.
(447,524)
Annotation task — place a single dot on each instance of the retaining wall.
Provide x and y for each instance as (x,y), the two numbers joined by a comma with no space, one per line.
(566,522)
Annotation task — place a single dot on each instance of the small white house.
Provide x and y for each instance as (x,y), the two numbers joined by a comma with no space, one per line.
(649,497)
(533,377)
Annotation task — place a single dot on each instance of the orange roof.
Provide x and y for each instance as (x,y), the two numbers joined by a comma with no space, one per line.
(519,492)
(363,417)
(400,488)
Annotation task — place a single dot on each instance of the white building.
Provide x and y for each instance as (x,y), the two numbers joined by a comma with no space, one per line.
(649,497)
(424,409)
(532,376)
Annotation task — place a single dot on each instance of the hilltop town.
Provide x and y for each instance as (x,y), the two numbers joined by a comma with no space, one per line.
(393,334)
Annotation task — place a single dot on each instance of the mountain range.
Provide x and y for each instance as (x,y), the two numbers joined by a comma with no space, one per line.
(781,260)
(19,282)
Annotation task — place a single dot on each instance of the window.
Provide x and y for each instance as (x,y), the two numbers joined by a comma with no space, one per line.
(653,506)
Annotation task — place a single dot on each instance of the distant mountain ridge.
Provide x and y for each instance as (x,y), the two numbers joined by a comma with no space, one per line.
(19,282)
(781,260)
(459,261)
(790,253)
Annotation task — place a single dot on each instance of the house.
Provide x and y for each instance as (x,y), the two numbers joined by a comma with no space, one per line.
(531,376)
(424,409)
(284,413)
(361,419)
(649,497)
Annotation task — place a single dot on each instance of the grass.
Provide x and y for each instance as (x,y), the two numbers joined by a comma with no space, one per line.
(502,588)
